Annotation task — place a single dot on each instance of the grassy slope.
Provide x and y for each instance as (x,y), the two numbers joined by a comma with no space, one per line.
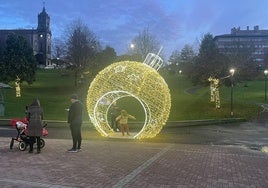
(186,106)
(50,87)
(53,89)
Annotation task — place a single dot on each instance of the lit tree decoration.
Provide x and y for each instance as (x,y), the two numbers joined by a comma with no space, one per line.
(130,79)
(17,85)
(214,91)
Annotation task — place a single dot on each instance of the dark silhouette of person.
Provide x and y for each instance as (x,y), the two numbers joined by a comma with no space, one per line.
(75,121)
(35,116)
(114,112)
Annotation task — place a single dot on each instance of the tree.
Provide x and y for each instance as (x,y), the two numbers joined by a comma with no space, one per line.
(188,57)
(59,49)
(59,53)
(183,60)
(82,46)
(104,58)
(2,65)
(209,62)
(145,43)
(18,60)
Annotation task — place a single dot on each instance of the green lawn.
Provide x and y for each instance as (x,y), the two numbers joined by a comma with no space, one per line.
(53,88)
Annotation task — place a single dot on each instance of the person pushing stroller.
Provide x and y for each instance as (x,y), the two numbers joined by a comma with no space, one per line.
(35,116)
(22,137)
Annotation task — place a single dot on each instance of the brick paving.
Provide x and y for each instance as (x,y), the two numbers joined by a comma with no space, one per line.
(120,163)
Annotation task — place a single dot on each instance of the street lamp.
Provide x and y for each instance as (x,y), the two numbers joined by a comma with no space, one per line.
(265,86)
(131,49)
(232,86)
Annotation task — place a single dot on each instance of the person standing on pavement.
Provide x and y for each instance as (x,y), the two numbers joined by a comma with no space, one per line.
(35,117)
(114,112)
(123,120)
(75,121)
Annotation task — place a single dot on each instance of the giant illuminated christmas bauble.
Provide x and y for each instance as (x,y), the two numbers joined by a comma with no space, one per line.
(129,79)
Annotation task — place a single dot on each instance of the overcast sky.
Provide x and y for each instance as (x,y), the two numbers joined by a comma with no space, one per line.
(116,22)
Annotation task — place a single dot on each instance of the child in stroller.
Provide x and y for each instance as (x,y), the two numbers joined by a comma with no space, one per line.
(22,138)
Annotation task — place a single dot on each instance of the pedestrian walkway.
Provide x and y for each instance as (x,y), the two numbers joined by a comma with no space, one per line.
(132,163)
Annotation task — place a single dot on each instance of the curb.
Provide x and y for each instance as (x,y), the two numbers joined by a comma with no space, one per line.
(169,124)
(173,124)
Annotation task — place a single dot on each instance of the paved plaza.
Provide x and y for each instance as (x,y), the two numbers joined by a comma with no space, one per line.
(131,163)
(213,156)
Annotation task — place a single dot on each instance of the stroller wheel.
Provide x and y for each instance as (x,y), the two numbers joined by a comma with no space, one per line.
(42,143)
(11,143)
(22,146)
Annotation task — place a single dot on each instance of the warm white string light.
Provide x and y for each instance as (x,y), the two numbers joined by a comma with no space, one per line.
(134,79)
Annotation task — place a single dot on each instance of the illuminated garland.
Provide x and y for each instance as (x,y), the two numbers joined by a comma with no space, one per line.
(134,79)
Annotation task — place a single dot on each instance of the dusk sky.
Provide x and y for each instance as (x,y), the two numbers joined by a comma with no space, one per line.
(116,22)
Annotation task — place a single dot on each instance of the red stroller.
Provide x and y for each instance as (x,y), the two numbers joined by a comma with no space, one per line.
(22,138)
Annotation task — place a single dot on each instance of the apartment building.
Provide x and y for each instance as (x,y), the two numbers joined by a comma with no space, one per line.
(252,41)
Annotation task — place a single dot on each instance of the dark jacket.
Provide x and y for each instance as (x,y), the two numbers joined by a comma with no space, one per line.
(75,113)
(35,118)
(114,111)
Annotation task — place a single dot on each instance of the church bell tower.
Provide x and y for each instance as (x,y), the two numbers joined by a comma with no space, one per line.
(44,39)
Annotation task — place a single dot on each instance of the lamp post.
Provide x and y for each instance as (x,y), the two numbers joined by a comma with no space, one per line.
(265,86)
(232,86)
